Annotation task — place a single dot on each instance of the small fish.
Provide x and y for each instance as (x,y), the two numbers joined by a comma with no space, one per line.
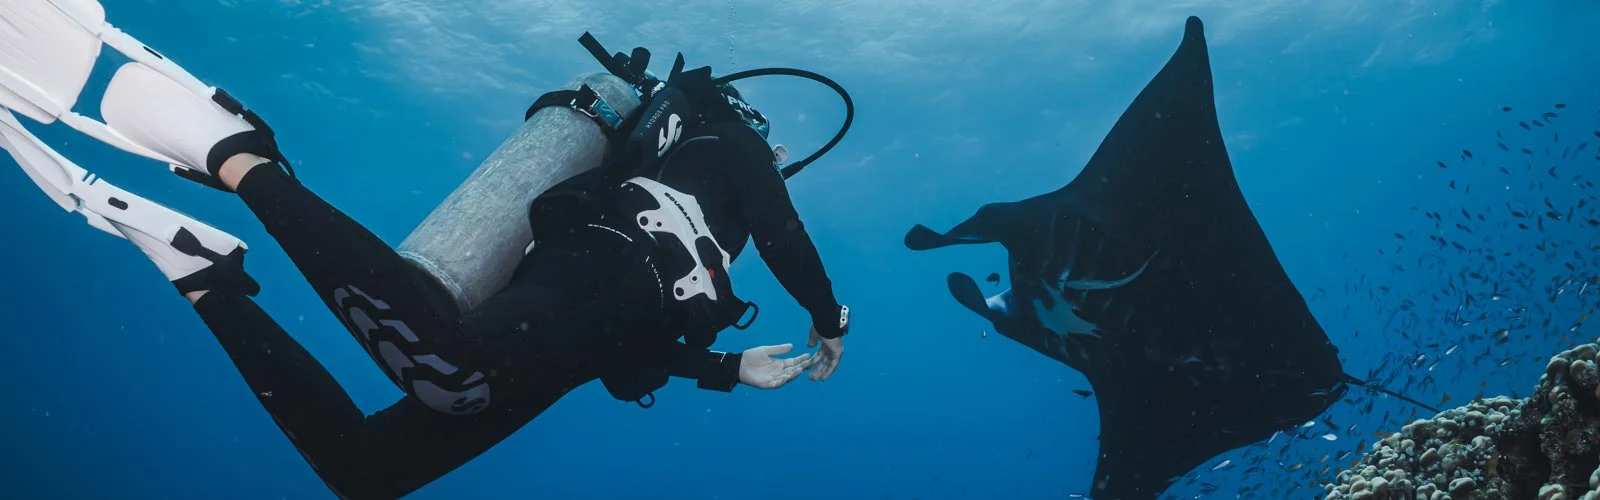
(1296,467)
(1308,424)
(1442,165)
(1559,105)
(1505,109)
(1466,153)
(1222,466)
(993,278)
(1331,437)
(1451,350)
(1082,392)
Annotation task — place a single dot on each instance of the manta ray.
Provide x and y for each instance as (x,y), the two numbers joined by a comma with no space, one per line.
(1149,274)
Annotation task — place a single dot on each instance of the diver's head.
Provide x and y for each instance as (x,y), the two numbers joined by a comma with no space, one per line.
(737,109)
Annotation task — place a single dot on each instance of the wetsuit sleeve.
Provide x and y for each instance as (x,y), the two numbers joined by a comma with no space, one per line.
(776,230)
(712,370)
(386,455)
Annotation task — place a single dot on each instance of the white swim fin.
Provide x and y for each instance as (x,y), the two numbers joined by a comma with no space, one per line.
(152,107)
(192,255)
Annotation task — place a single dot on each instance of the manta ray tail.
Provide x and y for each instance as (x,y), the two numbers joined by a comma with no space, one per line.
(1352,380)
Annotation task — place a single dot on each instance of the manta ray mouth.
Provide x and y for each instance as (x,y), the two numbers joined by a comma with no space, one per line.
(1088,285)
(1059,314)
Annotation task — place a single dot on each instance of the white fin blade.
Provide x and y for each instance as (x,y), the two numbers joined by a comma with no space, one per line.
(104,133)
(152,227)
(90,16)
(53,173)
(46,54)
(98,221)
(140,53)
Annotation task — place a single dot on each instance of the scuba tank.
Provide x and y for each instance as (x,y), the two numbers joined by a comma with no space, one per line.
(473,241)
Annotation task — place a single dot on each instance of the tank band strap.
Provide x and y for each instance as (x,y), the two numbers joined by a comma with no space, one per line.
(584,100)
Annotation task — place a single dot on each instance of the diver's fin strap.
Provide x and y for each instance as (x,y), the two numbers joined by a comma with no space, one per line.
(261,142)
(226,272)
(584,100)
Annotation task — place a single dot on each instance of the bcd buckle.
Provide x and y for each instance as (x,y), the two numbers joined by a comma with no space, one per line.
(585,101)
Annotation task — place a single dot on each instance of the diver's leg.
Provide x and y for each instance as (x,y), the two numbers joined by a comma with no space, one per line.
(401,317)
(390,453)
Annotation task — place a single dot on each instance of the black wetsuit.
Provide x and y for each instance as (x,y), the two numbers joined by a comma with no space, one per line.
(584,304)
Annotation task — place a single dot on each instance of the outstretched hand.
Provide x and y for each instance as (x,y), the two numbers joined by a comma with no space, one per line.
(827,356)
(758,368)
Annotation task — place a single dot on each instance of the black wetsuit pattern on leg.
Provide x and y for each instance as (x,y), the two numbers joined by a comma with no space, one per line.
(375,293)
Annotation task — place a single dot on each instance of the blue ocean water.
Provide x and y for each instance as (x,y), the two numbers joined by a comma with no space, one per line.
(1334,114)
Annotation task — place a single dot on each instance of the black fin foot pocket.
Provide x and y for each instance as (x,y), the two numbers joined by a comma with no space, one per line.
(261,141)
(226,272)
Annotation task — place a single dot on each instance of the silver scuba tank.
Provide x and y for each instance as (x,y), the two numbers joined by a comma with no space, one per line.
(476,237)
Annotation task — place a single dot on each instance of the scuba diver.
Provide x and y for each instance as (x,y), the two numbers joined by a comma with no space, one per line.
(626,282)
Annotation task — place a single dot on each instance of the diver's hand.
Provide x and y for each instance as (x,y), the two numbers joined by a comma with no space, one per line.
(827,356)
(758,368)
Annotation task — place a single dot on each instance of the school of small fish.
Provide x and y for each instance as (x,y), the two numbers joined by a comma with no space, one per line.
(1481,290)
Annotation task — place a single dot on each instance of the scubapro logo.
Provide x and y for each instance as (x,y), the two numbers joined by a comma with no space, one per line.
(669,134)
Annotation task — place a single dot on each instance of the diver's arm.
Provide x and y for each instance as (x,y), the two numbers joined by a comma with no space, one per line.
(776,230)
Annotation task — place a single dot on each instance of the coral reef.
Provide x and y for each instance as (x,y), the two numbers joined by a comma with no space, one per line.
(1546,446)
